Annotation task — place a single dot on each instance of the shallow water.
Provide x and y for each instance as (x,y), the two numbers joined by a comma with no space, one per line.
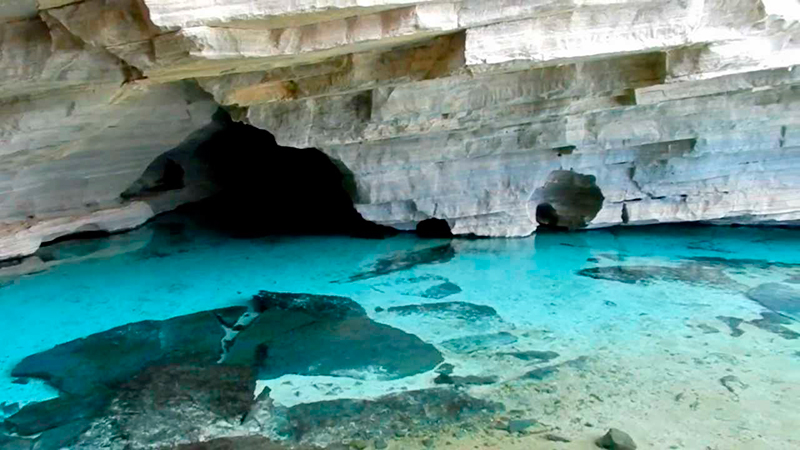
(642,313)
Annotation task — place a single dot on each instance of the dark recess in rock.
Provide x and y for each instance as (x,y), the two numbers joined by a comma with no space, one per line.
(568,201)
(239,443)
(433,229)
(265,189)
(405,261)
(457,310)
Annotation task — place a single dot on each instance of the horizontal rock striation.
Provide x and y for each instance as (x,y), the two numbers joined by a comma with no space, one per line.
(666,111)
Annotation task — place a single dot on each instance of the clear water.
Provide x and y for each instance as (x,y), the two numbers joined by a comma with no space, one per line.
(657,350)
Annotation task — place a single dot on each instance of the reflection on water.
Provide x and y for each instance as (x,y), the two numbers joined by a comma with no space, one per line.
(683,337)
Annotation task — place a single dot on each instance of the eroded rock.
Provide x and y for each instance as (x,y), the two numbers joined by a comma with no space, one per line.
(457,310)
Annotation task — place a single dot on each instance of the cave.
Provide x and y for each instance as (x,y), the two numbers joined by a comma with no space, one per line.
(567,201)
(259,187)
(434,229)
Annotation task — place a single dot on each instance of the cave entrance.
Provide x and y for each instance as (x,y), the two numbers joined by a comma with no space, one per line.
(567,201)
(256,187)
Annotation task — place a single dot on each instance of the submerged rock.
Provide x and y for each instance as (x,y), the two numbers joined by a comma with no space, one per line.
(616,439)
(175,404)
(470,380)
(694,274)
(777,297)
(542,373)
(532,355)
(456,310)
(405,261)
(774,323)
(308,334)
(110,358)
(480,342)
(428,410)
(733,323)
(441,291)
(35,418)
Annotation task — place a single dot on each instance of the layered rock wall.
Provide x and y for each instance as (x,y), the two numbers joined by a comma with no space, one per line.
(676,110)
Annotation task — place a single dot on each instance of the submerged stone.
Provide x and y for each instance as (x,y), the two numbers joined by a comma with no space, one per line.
(441,291)
(780,298)
(426,410)
(543,373)
(456,310)
(35,418)
(532,355)
(174,404)
(774,323)
(110,358)
(308,334)
(470,380)
(733,323)
(405,261)
(470,344)
(693,274)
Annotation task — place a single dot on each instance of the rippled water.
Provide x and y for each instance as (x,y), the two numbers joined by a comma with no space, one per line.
(647,329)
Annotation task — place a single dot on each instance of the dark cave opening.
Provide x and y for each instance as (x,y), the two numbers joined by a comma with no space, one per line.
(434,229)
(261,187)
(567,201)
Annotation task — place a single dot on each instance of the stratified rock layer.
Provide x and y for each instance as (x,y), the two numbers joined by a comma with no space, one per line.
(675,110)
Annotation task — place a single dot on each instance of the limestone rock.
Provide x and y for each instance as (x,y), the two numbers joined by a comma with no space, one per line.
(464,110)
(616,440)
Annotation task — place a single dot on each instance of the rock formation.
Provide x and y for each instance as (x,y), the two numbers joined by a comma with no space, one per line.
(467,111)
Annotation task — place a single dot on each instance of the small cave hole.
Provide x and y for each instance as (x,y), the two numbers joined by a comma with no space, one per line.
(164,174)
(567,201)
(434,228)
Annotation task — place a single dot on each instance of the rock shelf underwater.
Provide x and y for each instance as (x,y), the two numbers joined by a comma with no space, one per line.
(178,336)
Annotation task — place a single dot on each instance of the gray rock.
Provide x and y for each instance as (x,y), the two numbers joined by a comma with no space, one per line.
(309,334)
(108,359)
(779,298)
(35,418)
(520,425)
(380,444)
(556,438)
(616,439)
(61,437)
(456,310)
(476,343)
(423,411)
(405,261)
(471,380)
(532,355)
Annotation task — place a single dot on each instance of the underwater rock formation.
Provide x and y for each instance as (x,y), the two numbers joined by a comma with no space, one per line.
(464,111)
(192,378)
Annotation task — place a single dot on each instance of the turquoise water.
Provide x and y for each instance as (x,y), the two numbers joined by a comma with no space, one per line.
(649,335)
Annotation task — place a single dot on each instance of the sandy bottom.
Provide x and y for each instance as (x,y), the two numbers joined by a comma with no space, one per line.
(653,356)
